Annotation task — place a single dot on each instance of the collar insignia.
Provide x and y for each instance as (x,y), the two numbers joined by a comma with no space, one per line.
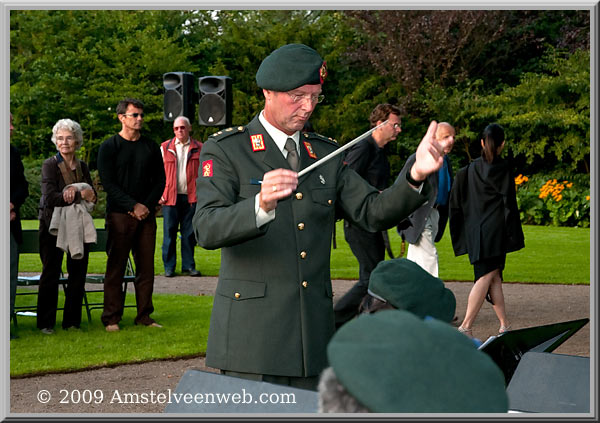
(309,149)
(257,141)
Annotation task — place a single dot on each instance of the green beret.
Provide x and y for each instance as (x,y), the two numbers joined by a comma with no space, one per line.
(407,286)
(291,66)
(395,362)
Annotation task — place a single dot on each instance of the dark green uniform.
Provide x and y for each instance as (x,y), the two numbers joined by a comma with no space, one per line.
(273,311)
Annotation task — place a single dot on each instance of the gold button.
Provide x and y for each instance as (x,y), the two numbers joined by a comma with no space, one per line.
(330,202)
(303,254)
(298,196)
(304,284)
(237,295)
(301,226)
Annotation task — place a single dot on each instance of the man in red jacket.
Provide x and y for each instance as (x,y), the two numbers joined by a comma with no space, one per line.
(180,157)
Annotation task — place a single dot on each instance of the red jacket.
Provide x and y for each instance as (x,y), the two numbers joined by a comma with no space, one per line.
(169,153)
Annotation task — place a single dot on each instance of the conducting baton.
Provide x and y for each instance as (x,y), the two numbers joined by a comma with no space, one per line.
(339,150)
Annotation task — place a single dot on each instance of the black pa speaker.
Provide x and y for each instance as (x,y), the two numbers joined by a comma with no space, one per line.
(179,95)
(215,101)
(550,383)
(205,392)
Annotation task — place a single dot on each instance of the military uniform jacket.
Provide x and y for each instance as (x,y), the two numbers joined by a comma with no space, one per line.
(273,311)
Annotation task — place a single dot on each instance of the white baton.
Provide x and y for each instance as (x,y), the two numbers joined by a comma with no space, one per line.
(339,150)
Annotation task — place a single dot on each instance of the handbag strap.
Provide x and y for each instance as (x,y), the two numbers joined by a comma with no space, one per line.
(68,176)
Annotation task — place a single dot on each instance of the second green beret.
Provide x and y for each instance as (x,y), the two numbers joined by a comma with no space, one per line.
(407,286)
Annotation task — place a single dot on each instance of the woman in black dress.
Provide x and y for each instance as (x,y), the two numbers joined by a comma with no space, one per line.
(485,223)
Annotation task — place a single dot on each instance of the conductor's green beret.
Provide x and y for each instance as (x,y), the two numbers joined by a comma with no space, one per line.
(407,286)
(290,67)
(395,362)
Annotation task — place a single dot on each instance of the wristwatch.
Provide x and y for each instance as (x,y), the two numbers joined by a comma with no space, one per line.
(412,181)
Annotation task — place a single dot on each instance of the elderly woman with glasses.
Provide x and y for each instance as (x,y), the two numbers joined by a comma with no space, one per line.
(66,181)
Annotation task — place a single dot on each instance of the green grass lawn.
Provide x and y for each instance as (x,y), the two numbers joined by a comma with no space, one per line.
(185,320)
(551,255)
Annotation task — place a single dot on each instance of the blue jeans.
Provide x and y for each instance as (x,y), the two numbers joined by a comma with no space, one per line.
(180,214)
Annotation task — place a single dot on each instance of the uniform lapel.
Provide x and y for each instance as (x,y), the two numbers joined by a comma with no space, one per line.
(305,159)
(271,156)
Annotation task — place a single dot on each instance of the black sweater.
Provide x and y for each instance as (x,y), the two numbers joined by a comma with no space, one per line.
(131,172)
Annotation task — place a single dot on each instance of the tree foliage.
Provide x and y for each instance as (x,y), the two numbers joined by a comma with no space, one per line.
(474,67)
(527,70)
(546,116)
(83,63)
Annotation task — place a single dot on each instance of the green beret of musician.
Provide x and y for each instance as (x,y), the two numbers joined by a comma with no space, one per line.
(291,66)
(395,362)
(407,286)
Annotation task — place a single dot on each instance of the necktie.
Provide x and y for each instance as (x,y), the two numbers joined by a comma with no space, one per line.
(292,156)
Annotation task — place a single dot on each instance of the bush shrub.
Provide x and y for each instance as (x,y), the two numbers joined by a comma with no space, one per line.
(554,200)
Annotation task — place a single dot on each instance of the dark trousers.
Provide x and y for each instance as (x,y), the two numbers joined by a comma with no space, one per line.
(47,302)
(369,249)
(127,234)
(179,217)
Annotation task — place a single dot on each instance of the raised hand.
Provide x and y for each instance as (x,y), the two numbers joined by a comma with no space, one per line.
(429,156)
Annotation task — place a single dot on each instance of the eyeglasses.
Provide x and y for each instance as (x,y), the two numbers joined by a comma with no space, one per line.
(397,126)
(179,128)
(67,138)
(134,115)
(316,98)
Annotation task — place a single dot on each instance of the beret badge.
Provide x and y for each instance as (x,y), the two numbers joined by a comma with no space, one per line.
(323,72)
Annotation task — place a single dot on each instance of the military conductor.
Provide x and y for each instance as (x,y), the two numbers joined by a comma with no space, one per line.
(273,314)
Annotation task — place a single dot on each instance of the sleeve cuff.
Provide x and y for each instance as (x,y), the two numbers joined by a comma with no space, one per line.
(262,217)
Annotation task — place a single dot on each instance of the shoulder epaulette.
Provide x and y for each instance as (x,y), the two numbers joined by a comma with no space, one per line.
(224,133)
(314,135)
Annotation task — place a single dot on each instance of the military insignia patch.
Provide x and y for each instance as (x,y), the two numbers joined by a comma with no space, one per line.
(309,149)
(207,168)
(323,72)
(258,144)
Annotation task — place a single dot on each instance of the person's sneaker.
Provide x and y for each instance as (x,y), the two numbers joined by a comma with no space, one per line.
(47,331)
(169,273)
(154,325)
(193,272)
(113,328)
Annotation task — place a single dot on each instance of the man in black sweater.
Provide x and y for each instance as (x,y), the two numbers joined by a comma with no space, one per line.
(133,176)
(369,159)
